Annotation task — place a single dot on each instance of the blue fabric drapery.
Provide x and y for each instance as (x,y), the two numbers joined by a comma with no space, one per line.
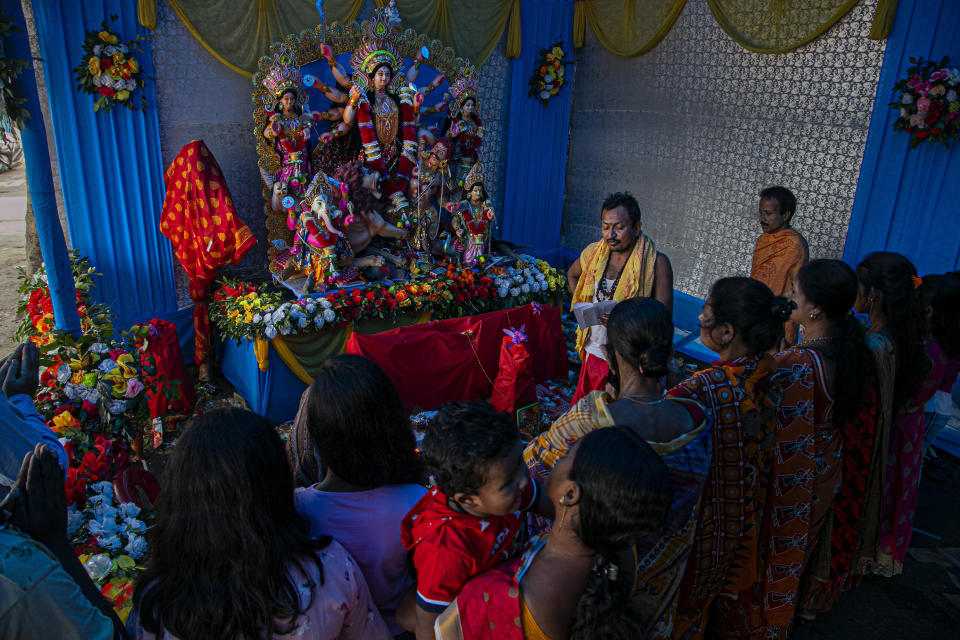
(53,246)
(908,200)
(537,137)
(110,165)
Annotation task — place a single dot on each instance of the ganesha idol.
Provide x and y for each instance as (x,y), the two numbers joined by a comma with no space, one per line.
(321,250)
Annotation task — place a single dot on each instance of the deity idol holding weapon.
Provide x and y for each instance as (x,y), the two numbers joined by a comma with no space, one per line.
(384,107)
(464,127)
(473,218)
(289,127)
(431,179)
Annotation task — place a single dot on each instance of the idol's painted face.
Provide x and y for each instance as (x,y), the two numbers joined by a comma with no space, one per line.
(618,231)
(476,193)
(468,108)
(437,156)
(772,219)
(381,78)
(287,100)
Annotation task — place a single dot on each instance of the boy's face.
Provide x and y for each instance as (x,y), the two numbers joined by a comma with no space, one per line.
(501,494)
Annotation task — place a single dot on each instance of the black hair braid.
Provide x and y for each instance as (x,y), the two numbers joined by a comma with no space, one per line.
(602,610)
(832,286)
(894,276)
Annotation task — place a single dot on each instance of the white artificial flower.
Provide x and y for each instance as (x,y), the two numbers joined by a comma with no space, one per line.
(136,547)
(103,528)
(906,99)
(329,315)
(99,347)
(75,520)
(952,95)
(318,320)
(302,323)
(514,292)
(104,511)
(107,366)
(63,373)
(326,304)
(87,393)
(109,50)
(525,288)
(111,543)
(129,510)
(502,292)
(70,390)
(285,330)
(133,526)
(103,488)
(97,49)
(270,332)
(116,407)
(257,318)
(123,48)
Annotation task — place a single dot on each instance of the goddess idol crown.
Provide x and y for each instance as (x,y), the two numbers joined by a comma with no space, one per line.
(474,176)
(461,91)
(378,46)
(284,74)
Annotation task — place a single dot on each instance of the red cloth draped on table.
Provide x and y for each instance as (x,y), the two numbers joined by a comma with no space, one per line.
(199,219)
(457,359)
(170,366)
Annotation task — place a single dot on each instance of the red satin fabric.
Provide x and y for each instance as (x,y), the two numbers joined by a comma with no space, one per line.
(170,366)
(514,386)
(438,362)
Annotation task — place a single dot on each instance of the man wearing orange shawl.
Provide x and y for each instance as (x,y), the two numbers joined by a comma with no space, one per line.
(624,264)
(780,251)
(199,219)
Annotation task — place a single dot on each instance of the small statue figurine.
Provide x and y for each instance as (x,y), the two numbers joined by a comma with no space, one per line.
(430,179)
(289,127)
(464,127)
(473,218)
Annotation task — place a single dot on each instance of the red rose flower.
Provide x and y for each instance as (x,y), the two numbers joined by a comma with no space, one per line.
(370,296)
(459,298)
(935,131)
(106,63)
(922,133)
(105,91)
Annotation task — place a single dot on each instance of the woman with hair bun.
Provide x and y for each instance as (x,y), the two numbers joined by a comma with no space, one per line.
(611,493)
(742,321)
(890,293)
(639,345)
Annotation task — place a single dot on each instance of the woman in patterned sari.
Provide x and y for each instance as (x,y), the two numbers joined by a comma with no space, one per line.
(822,381)
(890,293)
(611,493)
(639,337)
(742,321)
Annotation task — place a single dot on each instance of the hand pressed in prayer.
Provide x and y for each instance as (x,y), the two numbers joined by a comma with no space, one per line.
(604,318)
(37,503)
(19,372)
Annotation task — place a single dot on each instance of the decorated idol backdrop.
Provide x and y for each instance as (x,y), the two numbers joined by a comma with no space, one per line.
(222,114)
(697,126)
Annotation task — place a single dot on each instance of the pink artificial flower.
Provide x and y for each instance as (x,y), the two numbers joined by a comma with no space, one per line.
(134,387)
(923,87)
(116,353)
(914,81)
(923,105)
(940,75)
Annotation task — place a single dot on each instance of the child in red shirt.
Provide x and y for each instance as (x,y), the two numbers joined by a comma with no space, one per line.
(468,523)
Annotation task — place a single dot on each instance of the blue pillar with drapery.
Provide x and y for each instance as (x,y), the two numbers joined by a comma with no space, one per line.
(908,200)
(537,136)
(53,246)
(110,164)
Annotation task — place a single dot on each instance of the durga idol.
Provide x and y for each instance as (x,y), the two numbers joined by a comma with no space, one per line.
(385,109)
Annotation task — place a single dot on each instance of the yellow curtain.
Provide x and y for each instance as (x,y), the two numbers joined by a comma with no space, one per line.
(776,26)
(147,13)
(628,27)
(238,32)
(883,19)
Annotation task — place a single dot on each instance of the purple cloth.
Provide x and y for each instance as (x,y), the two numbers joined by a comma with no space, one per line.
(367,523)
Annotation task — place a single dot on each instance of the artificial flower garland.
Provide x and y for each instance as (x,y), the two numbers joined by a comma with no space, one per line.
(928,102)
(109,70)
(245,311)
(548,74)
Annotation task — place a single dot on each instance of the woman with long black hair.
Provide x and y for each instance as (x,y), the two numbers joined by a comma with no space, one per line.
(231,557)
(890,293)
(611,493)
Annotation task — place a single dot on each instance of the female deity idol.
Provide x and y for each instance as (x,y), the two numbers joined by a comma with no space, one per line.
(289,127)
(465,127)
(473,218)
(385,108)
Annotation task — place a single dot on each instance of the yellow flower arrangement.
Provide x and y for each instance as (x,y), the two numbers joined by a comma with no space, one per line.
(93,65)
(63,422)
(108,37)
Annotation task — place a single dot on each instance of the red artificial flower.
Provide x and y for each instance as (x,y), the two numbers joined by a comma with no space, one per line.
(370,296)
(935,131)
(459,298)
(62,408)
(106,63)
(105,91)
(922,133)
